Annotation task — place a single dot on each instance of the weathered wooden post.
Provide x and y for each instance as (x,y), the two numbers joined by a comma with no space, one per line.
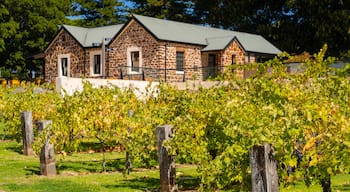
(264,169)
(27,132)
(128,164)
(47,154)
(166,162)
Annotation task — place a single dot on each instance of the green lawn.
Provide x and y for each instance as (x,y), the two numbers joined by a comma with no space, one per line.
(83,172)
(79,172)
(339,183)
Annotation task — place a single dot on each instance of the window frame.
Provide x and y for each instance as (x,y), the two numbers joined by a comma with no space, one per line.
(59,65)
(92,63)
(178,70)
(131,50)
(97,63)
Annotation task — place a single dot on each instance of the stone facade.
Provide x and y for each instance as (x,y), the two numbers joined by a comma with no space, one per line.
(80,59)
(234,54)
(64,45)
(156,58)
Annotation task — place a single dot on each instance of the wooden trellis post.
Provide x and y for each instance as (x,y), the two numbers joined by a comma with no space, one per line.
(166,162)
(128,163)
(264,169)
(47,154)
(27,132)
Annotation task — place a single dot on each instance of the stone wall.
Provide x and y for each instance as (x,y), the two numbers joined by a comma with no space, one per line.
(158,57)
(192,62)
(64,44)
(224,59)
(135,36)
(234,49)
(155,55)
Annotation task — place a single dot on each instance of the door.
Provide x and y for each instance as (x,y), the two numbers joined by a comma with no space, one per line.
(212,65)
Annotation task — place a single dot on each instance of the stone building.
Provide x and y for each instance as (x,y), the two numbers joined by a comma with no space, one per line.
(147,48)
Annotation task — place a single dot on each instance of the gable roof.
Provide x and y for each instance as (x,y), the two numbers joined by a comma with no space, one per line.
(92,37)
(211,38)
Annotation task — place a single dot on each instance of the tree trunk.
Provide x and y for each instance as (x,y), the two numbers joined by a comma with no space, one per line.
(326,184)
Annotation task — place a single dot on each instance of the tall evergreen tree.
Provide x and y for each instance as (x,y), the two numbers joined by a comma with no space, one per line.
(26,27)
(322,21)
(294,26)
(94,13)
(177,10)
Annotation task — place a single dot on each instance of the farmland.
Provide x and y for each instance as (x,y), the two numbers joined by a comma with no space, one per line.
(304,117)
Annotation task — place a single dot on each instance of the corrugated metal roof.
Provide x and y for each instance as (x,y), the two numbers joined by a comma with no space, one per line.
(211,38)
(91,37)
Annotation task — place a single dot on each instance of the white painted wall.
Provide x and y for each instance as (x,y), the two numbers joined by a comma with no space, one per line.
(68,85)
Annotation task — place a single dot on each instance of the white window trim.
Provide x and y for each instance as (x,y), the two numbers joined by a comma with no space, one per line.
(183,64)
(59,64)
(128,51)
(92,55)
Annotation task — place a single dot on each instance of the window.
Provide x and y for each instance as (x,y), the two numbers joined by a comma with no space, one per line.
(212,61)
(63,65)
(212,65)
(233,59)
(180,62)
(134,60)
(97,64)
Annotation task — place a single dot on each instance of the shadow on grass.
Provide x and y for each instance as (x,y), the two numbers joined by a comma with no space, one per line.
(146,184)
(91,166)
(153,184)
(32,170)
(15,148)
(344,187)
(187,182)
(48,185)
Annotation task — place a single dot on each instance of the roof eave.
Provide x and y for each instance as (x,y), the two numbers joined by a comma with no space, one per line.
(58,32)
(127,24)
(54,39)
(211,50)
(81,45)
(263,53)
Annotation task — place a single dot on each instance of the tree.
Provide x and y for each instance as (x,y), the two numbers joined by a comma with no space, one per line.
(97,12)
(26,28)
(294,26)
(166,9)
(320,22)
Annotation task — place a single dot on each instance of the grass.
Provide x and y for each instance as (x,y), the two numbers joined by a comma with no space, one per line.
(21,173)
(83,172)
(339,183)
